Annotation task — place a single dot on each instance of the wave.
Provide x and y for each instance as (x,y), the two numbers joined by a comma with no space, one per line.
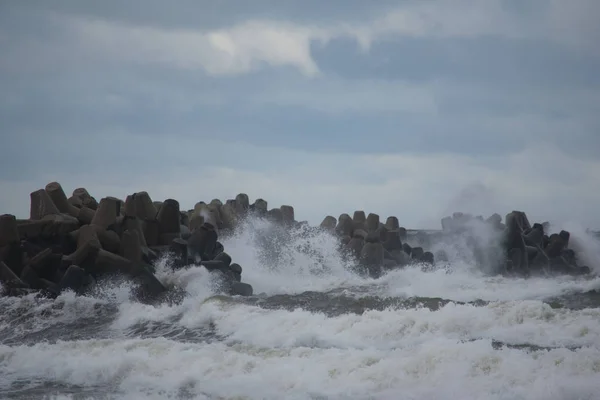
(384,355)
(315,330)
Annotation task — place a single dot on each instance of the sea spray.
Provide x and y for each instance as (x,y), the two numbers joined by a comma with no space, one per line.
(585,244)
(477,243)
(289,260)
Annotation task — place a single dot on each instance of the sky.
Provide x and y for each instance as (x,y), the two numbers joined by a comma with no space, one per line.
(409,108)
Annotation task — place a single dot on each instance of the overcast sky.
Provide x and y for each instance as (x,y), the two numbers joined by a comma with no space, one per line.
(407,108)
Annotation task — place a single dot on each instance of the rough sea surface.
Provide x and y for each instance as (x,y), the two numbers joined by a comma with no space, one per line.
(314,330)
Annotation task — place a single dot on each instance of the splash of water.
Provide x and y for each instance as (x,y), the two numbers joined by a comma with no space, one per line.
(277,260)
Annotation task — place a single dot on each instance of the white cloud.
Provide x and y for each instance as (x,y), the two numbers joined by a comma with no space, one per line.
(419,189)
(239,49)
(247,46)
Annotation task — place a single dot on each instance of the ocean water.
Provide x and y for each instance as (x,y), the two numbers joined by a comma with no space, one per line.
(315,329)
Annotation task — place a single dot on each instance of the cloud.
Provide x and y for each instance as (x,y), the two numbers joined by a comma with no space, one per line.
(570,24)
(246,46)
(328,114)
(221,52)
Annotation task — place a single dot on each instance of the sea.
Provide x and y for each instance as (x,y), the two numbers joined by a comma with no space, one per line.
(315,328)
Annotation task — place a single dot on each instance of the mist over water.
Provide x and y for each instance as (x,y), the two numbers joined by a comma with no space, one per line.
(314,330)
(583,242)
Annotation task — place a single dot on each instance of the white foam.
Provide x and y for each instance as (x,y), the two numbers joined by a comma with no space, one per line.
(464,283)
(522,322)
(437,369)
(275,354)
(28,314)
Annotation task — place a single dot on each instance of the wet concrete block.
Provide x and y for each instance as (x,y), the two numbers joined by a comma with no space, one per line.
(179,249)
(168,217)
(241,289)
(372,222)
(165,239)
(41,205)
(345,225)
(151,232)
(9,232)
(9,278)
(131,247)
(260,206)
(86,215)
(108,210)
(329,223)
(59,198)
(223,257)
(135,224)
(287,213)
(144,207)
(86,200)
(109,240)
(202,242)
(392,223)
(32,279)
(75,279)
